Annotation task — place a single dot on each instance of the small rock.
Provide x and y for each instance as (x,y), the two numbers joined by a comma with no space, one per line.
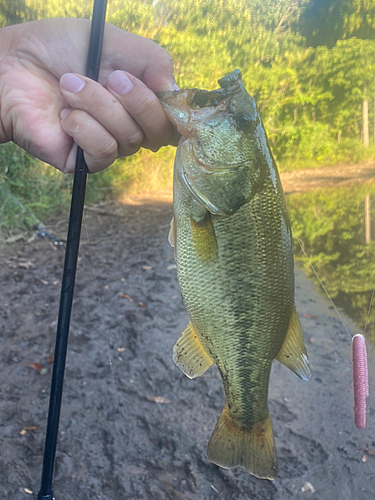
(308,488)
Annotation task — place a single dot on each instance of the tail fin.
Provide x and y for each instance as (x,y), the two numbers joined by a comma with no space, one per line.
(253,450)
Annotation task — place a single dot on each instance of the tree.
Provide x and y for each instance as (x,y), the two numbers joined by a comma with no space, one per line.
(352,76)
(323,22)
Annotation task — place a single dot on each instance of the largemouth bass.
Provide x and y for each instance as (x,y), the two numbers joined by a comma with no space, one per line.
(233,249)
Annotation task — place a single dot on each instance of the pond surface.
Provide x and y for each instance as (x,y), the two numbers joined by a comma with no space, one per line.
(336,227)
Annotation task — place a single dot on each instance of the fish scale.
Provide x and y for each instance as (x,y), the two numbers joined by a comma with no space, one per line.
(234,257)
(241,278)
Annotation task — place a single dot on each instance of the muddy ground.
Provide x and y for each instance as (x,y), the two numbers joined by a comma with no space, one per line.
(119,441)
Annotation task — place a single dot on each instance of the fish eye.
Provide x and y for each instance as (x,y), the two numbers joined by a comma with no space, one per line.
(245,120)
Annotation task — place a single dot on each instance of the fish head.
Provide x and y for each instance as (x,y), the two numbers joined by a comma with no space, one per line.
(221,135)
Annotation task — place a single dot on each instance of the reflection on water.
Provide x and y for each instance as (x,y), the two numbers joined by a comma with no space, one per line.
(337,229)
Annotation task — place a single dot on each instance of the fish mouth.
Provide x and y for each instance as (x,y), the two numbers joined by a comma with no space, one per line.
(197,99)
(181,105)
(204,98)
(184,107)
(229,85)
(187,107)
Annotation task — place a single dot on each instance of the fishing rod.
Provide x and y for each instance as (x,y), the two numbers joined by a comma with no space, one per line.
(70,266)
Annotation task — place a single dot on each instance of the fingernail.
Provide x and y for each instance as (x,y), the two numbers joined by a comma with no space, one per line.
(175,87)
(64,113)
(71,83)
(119,82)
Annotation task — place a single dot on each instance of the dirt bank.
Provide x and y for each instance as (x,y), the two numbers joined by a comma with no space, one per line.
(334,176)
(117,439)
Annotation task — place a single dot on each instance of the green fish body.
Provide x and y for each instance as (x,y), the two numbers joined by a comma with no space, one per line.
(233,248)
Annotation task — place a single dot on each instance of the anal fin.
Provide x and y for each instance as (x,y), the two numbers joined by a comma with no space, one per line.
(190,355)
(293,351)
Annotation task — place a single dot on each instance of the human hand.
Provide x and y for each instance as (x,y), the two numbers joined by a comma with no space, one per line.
(47,108)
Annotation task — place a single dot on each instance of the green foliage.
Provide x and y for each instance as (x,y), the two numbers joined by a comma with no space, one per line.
(310,97)
(37,186)
(42,189)
(323,22)
(136,17)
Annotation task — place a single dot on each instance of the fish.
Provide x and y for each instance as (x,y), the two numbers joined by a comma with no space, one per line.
(233,248)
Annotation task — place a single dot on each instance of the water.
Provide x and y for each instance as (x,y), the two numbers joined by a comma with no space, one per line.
(336,227)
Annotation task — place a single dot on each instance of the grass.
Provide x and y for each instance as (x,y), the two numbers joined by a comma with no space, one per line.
(44,191)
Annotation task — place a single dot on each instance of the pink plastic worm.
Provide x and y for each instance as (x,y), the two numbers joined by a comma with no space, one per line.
(360,380)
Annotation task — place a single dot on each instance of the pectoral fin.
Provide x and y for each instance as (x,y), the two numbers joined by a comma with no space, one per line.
(190,355)
(293,351)
(204,239)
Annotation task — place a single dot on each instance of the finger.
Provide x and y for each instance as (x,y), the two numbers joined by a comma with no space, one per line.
(135,112)
(99,146)
(89,96)
(144,107)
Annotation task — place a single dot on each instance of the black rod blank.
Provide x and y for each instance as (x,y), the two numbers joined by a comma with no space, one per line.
(70,266)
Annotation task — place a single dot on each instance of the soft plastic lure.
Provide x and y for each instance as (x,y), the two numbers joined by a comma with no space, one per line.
(360,380)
